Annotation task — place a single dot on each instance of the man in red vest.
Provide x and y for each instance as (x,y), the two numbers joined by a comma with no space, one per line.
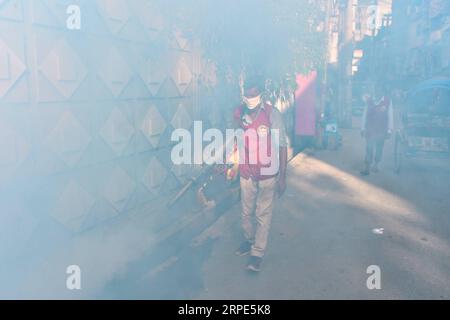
(377,126)
(261,123)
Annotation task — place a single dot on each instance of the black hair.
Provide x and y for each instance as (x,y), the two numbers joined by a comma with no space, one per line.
(255,81)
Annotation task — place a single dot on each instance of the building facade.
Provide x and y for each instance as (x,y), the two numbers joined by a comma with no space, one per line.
(420,39)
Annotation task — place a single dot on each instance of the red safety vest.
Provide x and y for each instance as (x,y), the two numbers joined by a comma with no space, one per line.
(262,126)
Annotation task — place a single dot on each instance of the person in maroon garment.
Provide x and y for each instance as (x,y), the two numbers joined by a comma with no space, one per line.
(259,181)
(377,126)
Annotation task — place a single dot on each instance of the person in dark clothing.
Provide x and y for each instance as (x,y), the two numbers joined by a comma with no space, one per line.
(377,126)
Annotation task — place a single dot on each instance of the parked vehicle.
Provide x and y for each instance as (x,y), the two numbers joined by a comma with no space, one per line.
(425,125)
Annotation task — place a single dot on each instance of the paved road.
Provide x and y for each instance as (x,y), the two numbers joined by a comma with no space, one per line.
(322,242)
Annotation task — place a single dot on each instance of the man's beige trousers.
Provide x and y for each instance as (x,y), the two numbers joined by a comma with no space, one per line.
(257,198)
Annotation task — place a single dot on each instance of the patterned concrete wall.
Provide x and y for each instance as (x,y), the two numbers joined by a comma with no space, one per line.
(86,115)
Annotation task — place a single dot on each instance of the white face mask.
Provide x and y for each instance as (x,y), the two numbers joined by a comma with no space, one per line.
(252,103)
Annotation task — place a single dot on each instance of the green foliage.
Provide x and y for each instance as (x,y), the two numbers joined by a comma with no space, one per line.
(265,36)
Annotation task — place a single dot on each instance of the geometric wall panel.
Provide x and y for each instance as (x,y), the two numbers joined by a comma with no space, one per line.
(73,206)
(182,42)
(114,71)
(11,68)
(13,148)
(64,69)
(154,175)
(153,75)
(13,151)
(42,14)
(71,103)
(153,126)
(182,74)
(209,74)
(68,139)
(115,13)
(51,12)
(11,9)
(118,189)
(181,171)
(150,18)
(117,131)
(181,119)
